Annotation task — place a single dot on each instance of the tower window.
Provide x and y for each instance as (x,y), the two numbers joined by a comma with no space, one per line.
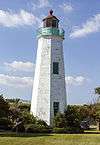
(56,107)
(55,68)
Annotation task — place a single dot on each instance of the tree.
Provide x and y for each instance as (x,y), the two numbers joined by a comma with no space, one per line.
(87,111)
(4,113)
(97,91)
(4,107)
(28,118)
(70,120)
(72,117)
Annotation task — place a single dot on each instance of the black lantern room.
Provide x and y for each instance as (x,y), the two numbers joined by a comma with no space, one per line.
(50,20)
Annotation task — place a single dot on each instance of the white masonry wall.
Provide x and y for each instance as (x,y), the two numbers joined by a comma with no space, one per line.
(58,90)
(48,87)
(40,105)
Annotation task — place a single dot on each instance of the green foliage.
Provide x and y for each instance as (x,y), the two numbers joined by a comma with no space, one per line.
(67,122)
(15,101)
(72,116)
(67,130)
(24,107)
(14,113)
(28,118)
(97,90)
(87,111)
(4,107)
(59,120)
(30,128)
(20,128)
(5,123)
(41,123)
(97,112)
(36,128)
(4,113)
(60,130)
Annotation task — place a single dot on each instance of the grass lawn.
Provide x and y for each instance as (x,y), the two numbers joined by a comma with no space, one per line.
(51,139)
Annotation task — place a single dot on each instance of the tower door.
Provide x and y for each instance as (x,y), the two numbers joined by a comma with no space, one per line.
(56,107)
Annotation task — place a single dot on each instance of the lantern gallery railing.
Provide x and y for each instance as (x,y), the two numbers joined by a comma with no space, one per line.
(49,31)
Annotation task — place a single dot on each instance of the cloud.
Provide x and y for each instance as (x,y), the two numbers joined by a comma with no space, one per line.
(76,81)
(91,26)
(41,4)
(66,7)
(15,81)
(20,66)
(10,19)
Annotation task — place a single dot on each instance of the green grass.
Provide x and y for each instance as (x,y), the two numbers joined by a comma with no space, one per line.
(51,139)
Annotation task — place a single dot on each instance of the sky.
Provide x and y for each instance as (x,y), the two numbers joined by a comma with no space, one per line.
(19,21)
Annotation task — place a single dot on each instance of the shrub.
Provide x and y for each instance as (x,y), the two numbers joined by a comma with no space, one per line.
(59,120)
(30,128)
(24,107)
(59,130)
(28,118)
(4,123)
(68,122)
(34,128)
(42,124)
(72,117)
(19,126)
(4,107)
(67,130)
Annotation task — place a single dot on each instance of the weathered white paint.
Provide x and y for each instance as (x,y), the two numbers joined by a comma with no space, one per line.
(48,87)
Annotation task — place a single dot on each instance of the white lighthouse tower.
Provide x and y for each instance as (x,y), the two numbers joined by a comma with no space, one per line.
(49,91)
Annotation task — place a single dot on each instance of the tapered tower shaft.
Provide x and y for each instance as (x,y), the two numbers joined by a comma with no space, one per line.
(49,92)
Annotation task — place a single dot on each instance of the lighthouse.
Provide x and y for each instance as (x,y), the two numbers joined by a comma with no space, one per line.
(49,91)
